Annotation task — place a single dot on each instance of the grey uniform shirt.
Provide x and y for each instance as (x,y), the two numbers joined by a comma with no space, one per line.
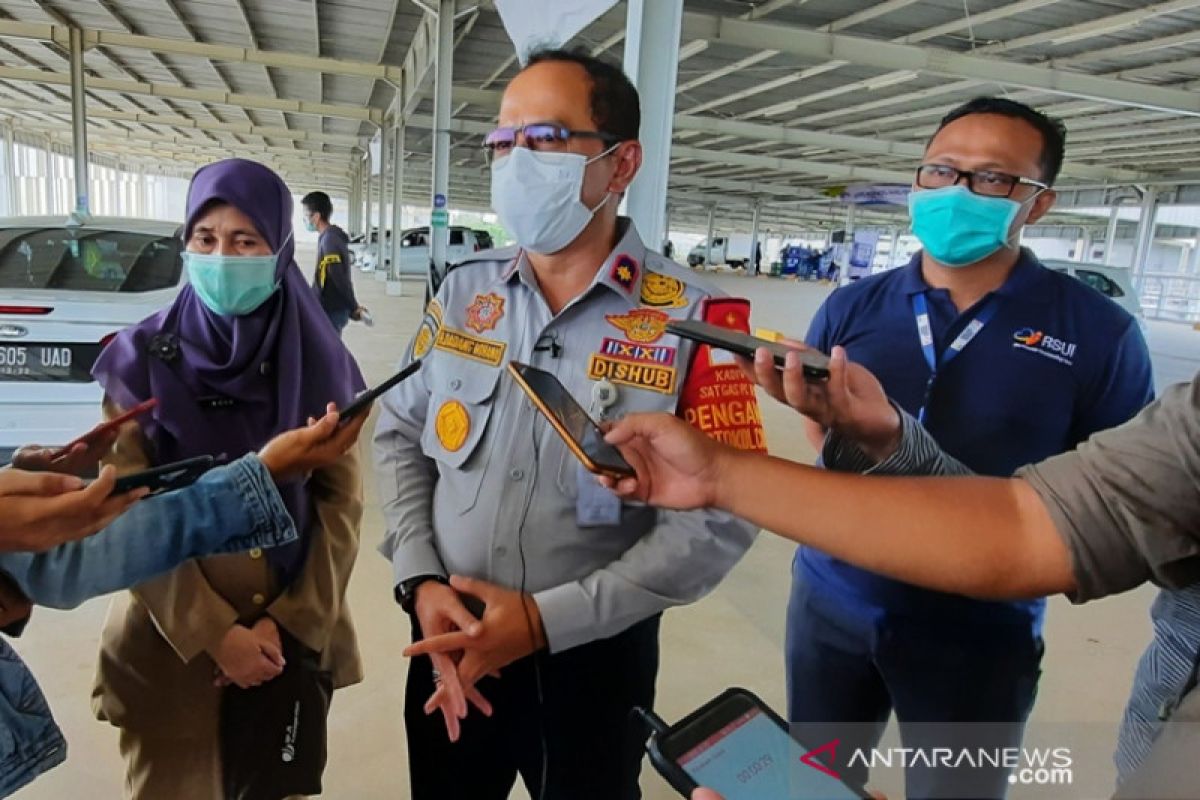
(474,482)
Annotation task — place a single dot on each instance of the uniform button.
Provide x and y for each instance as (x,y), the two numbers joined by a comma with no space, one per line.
(455,385)
(258,599)
(256,552)
(516,473)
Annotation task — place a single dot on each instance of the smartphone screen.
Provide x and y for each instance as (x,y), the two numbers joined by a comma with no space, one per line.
(814,364)
(751,757)
(579,426)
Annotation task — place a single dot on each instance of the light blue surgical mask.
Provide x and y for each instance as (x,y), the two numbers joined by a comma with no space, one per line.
(231,285)
(309,225)
(958,227)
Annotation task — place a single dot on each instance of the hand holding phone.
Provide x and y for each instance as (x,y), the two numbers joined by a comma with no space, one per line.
(580,433)
(104,430)
(364,400)
(814,364)
(736,745)
(166,478)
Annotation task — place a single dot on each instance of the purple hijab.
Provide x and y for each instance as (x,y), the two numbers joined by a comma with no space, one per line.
(228,384)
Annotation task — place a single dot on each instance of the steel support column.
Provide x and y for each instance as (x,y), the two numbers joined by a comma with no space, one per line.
(1145,236)
(1110,238)
(381,219)
(752,263)
(8,204)
(443,87)
(79,123)
(652,62)
(369,167)
(394,286)
(712,218)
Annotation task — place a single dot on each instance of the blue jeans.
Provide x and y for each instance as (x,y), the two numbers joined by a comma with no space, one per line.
(232,508)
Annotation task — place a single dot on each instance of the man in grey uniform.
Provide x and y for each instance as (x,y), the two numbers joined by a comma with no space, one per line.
(1121,510)
(475,485)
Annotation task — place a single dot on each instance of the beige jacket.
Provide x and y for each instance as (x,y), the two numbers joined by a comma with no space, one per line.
(155,673)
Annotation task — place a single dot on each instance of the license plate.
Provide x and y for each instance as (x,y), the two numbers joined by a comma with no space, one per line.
(48,362)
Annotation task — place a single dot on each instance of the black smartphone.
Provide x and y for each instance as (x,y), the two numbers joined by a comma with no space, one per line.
(814,364)
(738,746)
(581,434)
(364,400)
(166,478)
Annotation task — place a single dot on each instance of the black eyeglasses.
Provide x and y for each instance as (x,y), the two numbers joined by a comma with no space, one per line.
(537,136)
(980,181)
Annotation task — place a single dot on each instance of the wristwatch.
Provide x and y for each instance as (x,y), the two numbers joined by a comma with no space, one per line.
(406,590)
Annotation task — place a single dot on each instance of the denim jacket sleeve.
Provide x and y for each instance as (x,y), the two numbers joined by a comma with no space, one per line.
(230,509)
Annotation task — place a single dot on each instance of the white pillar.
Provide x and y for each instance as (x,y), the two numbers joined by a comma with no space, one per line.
(439,202)
(1110,237)
(712,218)
(8,203)
(1193,267)
(751,264)
(895,247)
(394,287)
(79,122)
(381,249)
(1145,236)
(652,29)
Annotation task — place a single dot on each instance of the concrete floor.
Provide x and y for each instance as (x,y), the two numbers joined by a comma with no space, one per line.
(733,637)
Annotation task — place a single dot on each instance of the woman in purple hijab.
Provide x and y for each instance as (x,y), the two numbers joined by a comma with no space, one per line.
(244,352)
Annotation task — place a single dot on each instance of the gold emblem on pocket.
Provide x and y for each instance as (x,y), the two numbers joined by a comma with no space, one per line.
(663,291)
(453,425)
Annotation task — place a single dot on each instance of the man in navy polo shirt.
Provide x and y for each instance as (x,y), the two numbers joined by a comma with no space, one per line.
(1005,363)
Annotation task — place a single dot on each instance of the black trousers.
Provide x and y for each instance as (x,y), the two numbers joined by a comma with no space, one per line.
(579,735)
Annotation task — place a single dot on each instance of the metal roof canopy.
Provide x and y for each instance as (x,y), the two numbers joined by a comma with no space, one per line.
(776,99)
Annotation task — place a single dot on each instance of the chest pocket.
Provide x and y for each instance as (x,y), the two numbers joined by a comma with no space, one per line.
(461,401)
(630,400)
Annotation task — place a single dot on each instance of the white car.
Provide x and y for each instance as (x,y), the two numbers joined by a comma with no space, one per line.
(65,290)
(1115,283)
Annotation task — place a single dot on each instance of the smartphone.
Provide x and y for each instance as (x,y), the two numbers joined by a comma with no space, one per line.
(166,478)
(364,400)
(581,434)
(105,428)
(814,365)
(738,746)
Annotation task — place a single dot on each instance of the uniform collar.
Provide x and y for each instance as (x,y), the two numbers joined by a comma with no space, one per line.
(620,273)
(623,270)
(1025,274)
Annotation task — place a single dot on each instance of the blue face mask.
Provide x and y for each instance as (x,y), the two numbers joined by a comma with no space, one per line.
(958,227)
(309,225)
(231,285)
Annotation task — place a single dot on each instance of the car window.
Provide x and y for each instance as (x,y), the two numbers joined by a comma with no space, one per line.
(413,239)
(456,237)
(87,260)
(484,240)
(1101,283)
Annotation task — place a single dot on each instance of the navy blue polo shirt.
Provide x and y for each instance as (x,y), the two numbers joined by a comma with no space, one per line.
(1057,362)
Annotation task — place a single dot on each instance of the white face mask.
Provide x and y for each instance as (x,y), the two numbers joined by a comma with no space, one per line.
(537,197)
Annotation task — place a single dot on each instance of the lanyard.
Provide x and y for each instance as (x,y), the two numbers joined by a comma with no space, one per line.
(925,332)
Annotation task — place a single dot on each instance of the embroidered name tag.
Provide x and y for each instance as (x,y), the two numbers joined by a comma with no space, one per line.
(640,376)
(487,351)
(640,353)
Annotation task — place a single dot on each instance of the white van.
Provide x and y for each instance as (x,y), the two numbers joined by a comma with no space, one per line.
(732,250)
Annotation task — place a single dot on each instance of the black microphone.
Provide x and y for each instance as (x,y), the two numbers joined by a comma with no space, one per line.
(548,341)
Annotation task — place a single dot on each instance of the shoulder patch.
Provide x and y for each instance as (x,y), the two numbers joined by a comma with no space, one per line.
(663,291)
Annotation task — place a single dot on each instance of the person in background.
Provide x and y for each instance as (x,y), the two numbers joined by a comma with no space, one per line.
(234,360)
(54,556)
(488,511)
(1005,363)
(331,281)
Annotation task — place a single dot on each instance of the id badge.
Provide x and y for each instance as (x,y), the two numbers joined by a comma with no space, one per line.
(595,506)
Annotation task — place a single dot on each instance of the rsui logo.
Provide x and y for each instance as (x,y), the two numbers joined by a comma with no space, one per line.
(1038,342)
